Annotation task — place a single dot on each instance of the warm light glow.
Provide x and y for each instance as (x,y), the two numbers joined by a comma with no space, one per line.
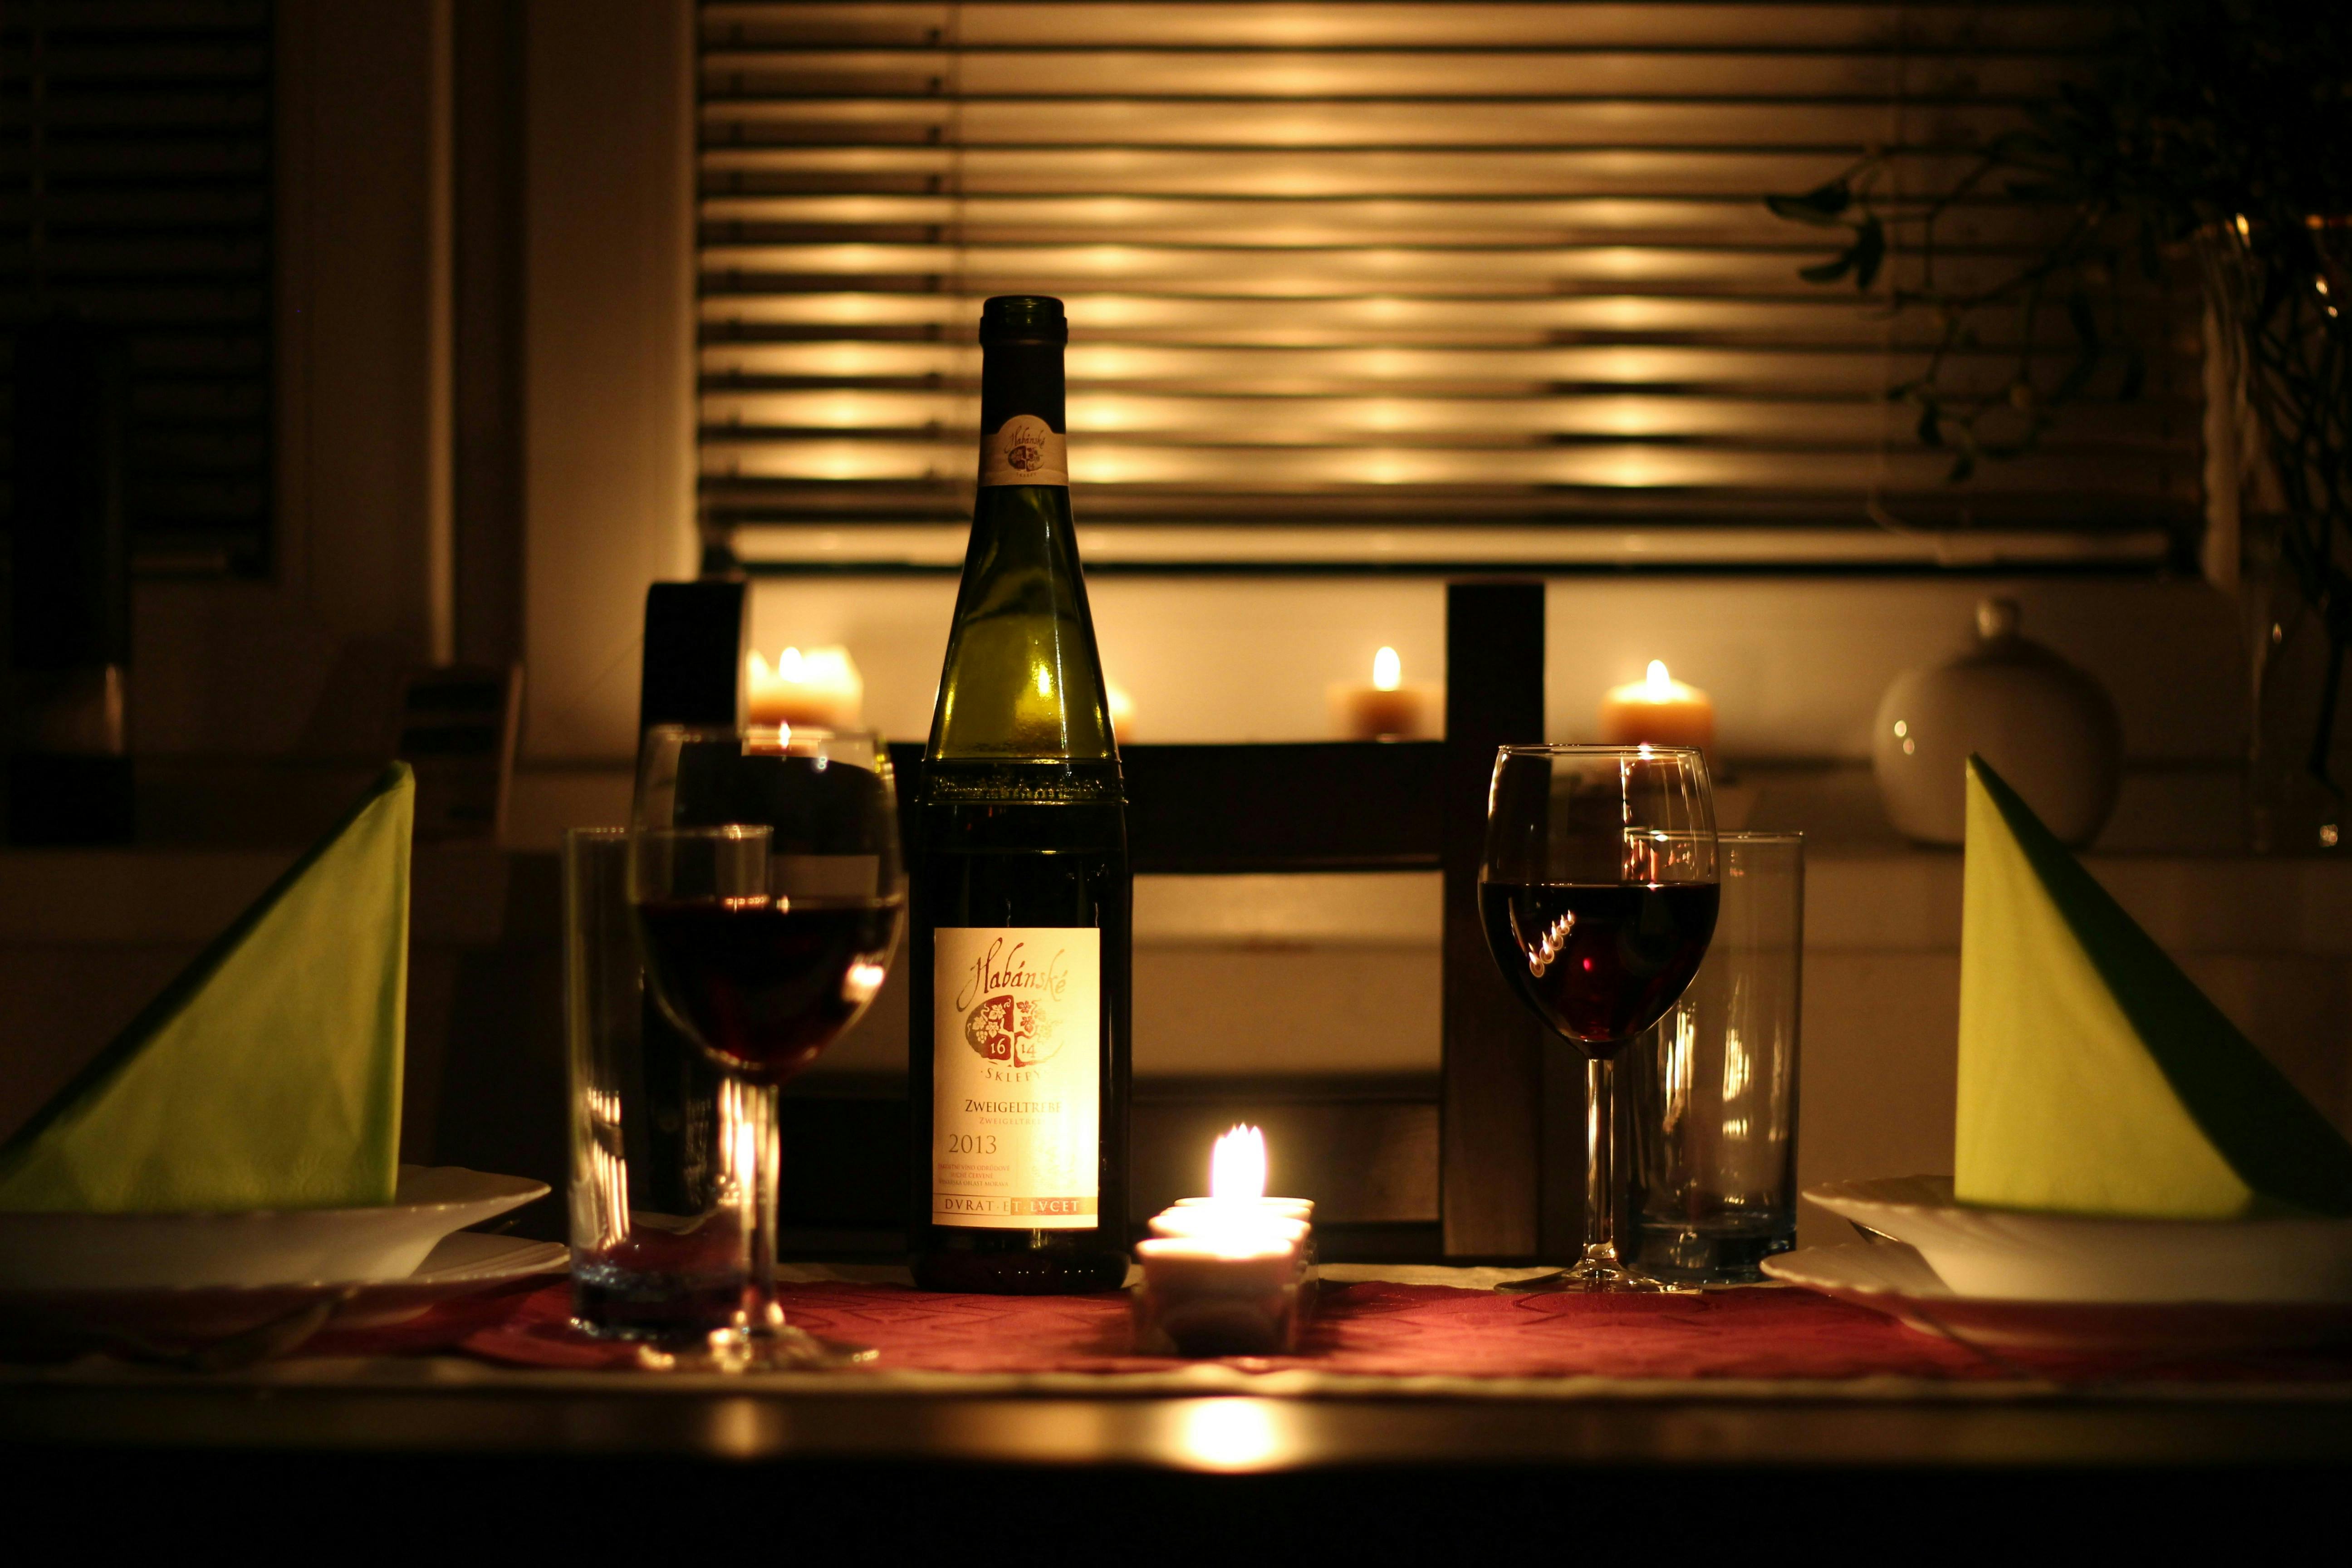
(1122,712)
(1228,1433)
(1388,670)
(821,687)
(858,987)
(1657,685)
(1237,1165)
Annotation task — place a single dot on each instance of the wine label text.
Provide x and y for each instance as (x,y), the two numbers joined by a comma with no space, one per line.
(1024,451)
(1017,1076)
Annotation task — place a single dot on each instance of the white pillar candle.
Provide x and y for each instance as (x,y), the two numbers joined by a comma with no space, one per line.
(1387,710)
(1657,710)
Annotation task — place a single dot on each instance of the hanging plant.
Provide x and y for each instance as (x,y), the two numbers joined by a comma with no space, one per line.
(2210,149)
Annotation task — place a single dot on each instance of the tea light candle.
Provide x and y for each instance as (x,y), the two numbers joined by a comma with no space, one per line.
(1387,710)
(1280,1208)
(1657,711)
(1226,1275)
(1209,1221)
(821,687)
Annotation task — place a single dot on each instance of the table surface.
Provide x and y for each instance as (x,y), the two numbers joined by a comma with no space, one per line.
(1200,1418)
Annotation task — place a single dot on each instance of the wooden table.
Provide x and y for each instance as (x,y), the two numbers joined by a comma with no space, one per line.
(1338,1463)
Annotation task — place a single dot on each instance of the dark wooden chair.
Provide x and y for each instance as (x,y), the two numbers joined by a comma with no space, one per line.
(1198,810)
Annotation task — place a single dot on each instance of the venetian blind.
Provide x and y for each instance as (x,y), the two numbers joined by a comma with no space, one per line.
(135,192)
(1333,266)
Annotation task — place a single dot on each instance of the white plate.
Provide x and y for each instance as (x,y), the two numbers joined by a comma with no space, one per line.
(44,1325)
(1890,1278)
(2021,1256)
(256,1249)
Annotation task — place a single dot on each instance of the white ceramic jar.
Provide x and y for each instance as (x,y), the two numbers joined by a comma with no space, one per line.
(2046,727)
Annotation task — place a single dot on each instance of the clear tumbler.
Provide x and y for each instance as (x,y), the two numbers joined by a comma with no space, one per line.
(1713,1107)
(655,1244)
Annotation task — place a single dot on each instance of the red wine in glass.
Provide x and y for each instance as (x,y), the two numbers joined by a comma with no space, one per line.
(1597,893)
(1599,963)
(767,984)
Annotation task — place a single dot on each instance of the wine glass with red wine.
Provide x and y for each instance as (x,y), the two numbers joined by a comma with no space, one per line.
(767,890)
(1598,895)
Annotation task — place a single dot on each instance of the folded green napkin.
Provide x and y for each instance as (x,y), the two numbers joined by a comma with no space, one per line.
(266,1075)
(2094,1077)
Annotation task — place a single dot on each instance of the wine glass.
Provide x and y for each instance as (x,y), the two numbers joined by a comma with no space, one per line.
(766,887)
(1598,895)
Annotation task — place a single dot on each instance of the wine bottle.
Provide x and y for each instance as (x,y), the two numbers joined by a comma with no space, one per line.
(1018,1044)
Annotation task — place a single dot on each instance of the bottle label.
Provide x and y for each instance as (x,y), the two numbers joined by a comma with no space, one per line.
(1024,451)
(1017,1076)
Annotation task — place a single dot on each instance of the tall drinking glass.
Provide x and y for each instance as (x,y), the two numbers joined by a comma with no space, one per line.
(654,1242)
(1598,896)
(767,890)
(1713,1090)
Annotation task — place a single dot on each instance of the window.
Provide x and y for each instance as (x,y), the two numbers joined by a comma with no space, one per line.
(1367,284)
(137,193)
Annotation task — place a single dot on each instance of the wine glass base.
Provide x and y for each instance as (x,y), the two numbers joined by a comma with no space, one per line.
(780,1348)
(1595,1276)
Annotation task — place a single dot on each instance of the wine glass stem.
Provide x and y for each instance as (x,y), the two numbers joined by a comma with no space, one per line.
(753,1154)
(1600,1125)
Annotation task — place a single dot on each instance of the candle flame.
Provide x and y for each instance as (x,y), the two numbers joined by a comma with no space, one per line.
(1237,1164)
(1661,684)
(818,686)
(1388,670)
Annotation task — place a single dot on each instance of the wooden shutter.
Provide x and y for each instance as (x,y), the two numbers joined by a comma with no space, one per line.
(1456,283)
(135,185)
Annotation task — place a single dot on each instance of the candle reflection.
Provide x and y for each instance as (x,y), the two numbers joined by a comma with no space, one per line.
(1229,1433)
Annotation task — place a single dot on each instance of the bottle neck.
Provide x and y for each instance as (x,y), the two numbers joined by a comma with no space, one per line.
(1021,378)
(1021,426)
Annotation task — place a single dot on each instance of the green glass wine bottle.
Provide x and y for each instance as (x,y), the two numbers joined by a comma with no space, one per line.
(1018,1044)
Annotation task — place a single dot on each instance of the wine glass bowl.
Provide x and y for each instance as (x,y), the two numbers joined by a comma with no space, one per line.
(1598,893)
(766,889)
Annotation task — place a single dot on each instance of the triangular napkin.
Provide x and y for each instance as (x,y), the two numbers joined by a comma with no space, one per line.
(2094,1077)
(266,1075)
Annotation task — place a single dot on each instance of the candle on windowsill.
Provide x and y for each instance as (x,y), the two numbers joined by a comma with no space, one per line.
(819,686)
(1387,710)
(1227,1275)
(1657,711)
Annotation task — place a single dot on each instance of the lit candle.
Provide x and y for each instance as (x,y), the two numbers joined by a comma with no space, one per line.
(821,687)
(1657,711)
(1226,1275)
(1387,710)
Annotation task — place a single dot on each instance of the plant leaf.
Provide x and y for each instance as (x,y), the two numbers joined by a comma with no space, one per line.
(1829,271)
(1869,250)
(1820,207)
(2077,376)
(2134,377)
(2086,322)
(2017,146)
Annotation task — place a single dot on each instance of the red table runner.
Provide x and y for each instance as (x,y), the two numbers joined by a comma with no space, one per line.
(1380,1329)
